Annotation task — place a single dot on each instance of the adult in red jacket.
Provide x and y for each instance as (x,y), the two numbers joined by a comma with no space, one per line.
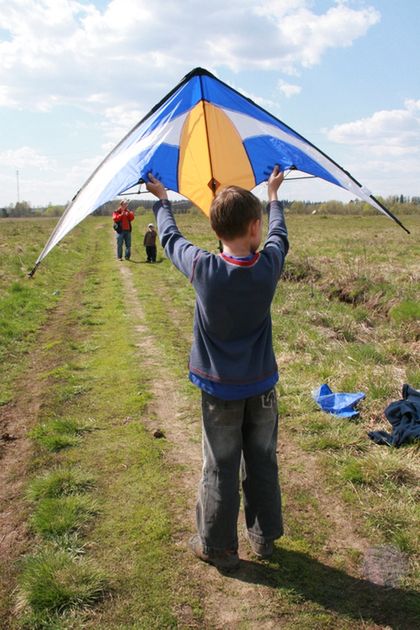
(122,218)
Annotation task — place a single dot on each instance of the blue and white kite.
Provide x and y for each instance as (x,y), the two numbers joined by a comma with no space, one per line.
(202,136)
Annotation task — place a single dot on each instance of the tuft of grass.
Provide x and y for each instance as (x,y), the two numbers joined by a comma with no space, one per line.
(405,311)
(54,517)
(54,582)
(60,482)
(382,388)
(333,435)
(379,468)
(413,377)
(298,270)
(397,524)
(367,353)
(57,434)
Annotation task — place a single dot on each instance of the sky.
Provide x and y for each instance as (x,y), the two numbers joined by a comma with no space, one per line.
(76,76)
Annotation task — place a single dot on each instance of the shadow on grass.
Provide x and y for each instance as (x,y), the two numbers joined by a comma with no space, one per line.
(334,589)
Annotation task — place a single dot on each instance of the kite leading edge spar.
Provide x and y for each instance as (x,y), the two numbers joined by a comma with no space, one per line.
(201,136)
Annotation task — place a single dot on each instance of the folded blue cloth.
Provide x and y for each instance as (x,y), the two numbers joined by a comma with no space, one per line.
(340,404)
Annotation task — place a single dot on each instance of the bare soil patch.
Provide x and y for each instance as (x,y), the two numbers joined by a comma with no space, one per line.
(16,420)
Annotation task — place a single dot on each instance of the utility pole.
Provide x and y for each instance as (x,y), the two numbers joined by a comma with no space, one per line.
(17,186)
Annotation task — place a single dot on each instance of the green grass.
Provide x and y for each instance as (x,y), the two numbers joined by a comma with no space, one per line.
(25,303)
(60,482)
(345,313)
(405,311)
(100,429)
(347,338)
(54,517)
(53,582)
(59,433)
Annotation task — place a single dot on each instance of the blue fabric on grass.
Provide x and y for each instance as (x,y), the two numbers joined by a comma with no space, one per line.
(340,404)
(404,416)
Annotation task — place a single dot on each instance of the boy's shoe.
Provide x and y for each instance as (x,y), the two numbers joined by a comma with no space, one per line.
(262,550)
(226,560)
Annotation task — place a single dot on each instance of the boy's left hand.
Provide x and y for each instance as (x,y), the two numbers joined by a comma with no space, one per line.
(156,187)
(274,182)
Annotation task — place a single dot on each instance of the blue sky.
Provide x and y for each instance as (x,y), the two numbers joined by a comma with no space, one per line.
(75,76)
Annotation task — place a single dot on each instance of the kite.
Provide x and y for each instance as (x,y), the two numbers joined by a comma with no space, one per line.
(202,136)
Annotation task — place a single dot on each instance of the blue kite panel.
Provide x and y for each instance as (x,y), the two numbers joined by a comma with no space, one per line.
(161,162)
(220,94)
(266,151)
(180,102)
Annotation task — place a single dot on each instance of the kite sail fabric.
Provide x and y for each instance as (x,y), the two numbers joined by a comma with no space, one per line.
(202,136)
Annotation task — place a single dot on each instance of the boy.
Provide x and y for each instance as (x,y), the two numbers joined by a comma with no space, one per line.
(123,217)
(232,361)
(149,242)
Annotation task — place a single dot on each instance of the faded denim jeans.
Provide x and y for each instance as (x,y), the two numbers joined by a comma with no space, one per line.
(239,443)
(124,236)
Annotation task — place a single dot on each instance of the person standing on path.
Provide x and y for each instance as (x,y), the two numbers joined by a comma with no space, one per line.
(232,361)
(122,218)
(149,242)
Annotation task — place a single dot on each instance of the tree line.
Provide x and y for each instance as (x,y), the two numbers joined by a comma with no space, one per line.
(398,204)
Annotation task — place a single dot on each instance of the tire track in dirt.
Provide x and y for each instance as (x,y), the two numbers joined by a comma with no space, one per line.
(16,419)
(228,601)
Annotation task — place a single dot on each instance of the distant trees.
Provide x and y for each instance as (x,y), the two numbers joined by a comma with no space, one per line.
(398,204)
(51,210)
(20,209)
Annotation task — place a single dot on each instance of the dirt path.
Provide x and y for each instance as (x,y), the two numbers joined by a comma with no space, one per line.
(244,599)
(227,602)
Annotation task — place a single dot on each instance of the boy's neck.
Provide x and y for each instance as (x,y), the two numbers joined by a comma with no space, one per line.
(239,248)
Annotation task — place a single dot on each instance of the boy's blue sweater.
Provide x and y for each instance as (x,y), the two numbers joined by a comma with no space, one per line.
(232,342)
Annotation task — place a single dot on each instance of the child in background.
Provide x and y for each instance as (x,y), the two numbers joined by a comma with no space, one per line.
(232,361)
(149,242)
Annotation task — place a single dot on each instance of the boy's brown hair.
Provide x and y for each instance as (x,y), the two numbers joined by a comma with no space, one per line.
(232,210)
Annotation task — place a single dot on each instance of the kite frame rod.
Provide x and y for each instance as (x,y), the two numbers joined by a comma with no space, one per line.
(213,181)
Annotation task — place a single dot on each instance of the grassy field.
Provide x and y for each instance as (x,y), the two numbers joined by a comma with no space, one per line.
(103,507)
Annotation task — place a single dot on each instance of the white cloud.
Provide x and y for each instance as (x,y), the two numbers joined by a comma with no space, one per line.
(394,132)
(289,89)
(118,60)
(24,157)
(384,148)
(68,52)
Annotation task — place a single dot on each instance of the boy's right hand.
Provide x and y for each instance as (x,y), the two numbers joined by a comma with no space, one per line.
(274,182)
(156,187)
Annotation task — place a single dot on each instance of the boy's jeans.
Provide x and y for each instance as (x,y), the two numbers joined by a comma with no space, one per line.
(239,434)
(124,236)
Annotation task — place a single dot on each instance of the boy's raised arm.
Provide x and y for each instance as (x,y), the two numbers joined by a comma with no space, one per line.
(274,182)
(178,249)
(277,230)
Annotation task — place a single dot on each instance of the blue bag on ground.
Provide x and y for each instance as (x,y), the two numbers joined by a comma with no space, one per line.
(404,416)
(340,404)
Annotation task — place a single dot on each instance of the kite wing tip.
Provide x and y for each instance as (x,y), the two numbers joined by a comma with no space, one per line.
(32,272)
(198,72)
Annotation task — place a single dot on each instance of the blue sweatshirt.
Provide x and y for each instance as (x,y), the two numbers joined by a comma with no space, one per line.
(232,344)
